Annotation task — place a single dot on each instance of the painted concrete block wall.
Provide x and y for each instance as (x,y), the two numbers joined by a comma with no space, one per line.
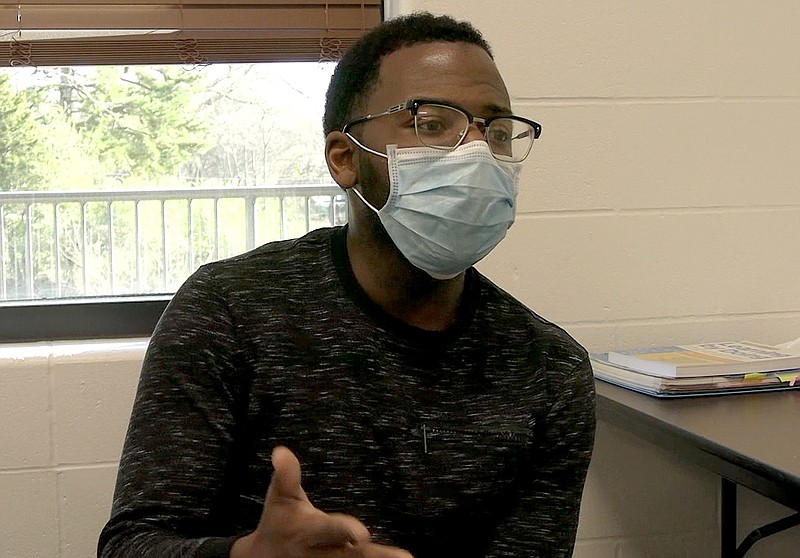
(64,409)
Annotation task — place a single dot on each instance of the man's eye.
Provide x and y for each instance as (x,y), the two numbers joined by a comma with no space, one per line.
(499,135)
(431,125)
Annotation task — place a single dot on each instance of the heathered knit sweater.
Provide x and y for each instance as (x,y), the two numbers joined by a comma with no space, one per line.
(473,442)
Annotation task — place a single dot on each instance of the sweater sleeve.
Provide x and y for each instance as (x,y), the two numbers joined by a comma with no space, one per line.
(544,520)
(176,458)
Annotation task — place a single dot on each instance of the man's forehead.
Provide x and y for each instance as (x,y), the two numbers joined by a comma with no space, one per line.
(460,73)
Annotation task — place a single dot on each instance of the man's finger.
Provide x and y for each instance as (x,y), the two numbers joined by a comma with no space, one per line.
(373,550)
(336,530)
(285,483)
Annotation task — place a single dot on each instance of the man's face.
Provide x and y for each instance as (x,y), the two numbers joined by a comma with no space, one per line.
(458,73)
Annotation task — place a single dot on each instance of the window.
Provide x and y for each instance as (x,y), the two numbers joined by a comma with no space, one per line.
(141,140)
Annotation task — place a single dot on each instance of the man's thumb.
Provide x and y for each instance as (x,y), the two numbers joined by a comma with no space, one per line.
(285,483)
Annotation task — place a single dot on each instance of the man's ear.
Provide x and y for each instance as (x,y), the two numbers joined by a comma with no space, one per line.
(340,156)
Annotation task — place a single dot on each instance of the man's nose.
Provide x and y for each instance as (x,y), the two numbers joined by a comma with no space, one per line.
(475,131)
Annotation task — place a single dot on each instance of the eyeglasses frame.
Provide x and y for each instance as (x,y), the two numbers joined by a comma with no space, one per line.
(412,105)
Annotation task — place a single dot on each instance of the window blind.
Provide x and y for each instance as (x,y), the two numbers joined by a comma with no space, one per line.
(96,32)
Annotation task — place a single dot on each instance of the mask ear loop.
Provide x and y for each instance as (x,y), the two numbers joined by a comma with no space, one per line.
(392,179)
(364,147)
(363,199)
(355,187)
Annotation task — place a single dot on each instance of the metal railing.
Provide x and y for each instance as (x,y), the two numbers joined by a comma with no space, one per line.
(58,244)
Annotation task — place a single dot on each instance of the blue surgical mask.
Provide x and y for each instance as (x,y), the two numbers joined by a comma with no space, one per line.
(447,209)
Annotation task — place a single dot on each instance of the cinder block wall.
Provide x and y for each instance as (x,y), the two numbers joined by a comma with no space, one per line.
(64,409)
(662,205)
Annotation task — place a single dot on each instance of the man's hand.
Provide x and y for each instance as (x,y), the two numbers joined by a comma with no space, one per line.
(291,527)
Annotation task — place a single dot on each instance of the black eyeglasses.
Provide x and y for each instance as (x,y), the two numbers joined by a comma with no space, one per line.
(444,126)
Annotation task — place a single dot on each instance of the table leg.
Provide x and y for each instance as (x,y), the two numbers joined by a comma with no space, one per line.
(728,520)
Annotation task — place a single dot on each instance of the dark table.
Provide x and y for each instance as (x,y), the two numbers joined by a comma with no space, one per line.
(752,440)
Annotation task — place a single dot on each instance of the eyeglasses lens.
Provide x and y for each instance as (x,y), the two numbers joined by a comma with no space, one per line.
(444,127)
(440,126)
(510,139)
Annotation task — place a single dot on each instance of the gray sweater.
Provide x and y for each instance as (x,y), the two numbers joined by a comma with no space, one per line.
(473,442)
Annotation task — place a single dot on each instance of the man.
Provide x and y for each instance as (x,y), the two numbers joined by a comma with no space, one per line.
(431,412)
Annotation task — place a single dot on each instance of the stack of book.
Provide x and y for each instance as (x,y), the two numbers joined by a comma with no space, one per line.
(701,369)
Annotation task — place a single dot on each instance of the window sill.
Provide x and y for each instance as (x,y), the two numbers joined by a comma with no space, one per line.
(102,318)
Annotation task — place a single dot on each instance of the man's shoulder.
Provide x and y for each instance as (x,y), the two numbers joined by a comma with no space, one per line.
(275,269)
(504,312)
(311,248)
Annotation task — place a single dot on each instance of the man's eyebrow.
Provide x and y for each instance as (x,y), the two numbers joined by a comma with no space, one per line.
(489,108)
(441,100)
(498,109)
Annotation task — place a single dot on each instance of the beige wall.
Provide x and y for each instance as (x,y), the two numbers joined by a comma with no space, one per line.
(661,205)
(64,409)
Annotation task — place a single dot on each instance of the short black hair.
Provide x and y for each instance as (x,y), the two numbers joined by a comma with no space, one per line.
(358,69)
